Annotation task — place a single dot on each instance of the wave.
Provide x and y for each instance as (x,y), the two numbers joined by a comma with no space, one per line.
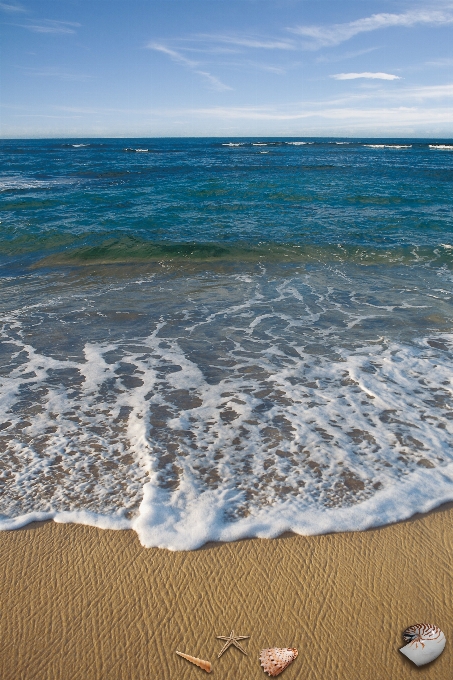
(271,143)
(139,435)
(21,183)
(389,146)
(133,250)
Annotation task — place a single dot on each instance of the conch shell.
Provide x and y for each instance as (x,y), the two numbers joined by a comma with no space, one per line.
(425,643)
(275,660)
(205,665)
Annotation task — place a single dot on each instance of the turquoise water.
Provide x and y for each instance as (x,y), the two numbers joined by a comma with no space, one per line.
(206,339)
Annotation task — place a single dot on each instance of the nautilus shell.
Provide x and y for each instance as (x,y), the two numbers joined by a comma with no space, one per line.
(425,643)
(275,660)
(205,665)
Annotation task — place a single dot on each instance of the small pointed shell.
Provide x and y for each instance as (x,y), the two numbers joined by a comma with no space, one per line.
(274,660)
(425,643)
(205,665)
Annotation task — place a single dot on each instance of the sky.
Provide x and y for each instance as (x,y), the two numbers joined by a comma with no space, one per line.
(226,68)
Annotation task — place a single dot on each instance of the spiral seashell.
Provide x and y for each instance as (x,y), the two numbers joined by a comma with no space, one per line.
(425,643)
(205,665)
(274,660)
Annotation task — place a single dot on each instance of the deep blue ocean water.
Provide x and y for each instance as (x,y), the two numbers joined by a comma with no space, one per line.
(205,339)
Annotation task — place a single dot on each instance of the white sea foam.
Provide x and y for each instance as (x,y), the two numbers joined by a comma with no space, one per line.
(77,146)
(442,147)
(389,146)
(299,143)
(245,418)
(20,182)
(233,144)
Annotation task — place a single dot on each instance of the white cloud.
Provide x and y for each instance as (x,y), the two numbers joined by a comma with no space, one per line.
(365,74)
(385,96)
(429,92)
(327,36)
(52,26)
(173,54)
(331,58)
(296,118)
(54,73)
(247,41)
(11,8)
(447,61)
(190,63)
(214,81)
(373,118)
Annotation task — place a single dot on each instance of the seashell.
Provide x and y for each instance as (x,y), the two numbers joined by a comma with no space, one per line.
(425,643)
(205,665)
(275,660)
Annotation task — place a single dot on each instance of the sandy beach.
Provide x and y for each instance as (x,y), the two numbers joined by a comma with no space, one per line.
(78,602)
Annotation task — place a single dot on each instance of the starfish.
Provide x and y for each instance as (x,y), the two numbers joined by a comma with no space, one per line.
(232,640)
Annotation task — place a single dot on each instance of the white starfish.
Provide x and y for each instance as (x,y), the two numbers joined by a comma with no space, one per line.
(232,640)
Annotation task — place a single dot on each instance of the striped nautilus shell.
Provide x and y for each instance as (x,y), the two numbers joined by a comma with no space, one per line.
(425,643)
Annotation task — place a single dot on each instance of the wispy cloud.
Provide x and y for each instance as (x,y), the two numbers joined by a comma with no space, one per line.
(179,58)
(447,61)
(327,36)
(55,73)
(214,81)
(248,41)
(52,26)
(182,51)
(265,67)
(429,92)
(292,118)
(331,58)
(6,7)
(365,74)
(314,116)
(173,54)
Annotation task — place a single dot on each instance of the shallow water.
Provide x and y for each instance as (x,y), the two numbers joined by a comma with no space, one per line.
(205,342)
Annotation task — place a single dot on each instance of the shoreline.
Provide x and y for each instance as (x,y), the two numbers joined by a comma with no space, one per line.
(80,602)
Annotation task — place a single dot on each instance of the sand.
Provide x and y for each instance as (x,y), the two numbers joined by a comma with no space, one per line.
(79,602)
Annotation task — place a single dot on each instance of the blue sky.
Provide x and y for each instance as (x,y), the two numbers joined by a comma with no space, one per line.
(226,68)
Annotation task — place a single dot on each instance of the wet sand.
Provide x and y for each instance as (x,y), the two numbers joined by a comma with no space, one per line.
(82,603)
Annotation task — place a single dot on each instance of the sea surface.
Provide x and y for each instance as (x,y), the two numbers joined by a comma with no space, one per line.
(207,339)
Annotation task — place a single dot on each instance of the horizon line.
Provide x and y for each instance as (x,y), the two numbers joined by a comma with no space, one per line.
(12,139)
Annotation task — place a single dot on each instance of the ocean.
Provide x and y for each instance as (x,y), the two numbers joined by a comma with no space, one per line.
(209,339)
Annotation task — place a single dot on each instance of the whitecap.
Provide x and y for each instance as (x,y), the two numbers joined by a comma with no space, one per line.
(19,182)
(389,146)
